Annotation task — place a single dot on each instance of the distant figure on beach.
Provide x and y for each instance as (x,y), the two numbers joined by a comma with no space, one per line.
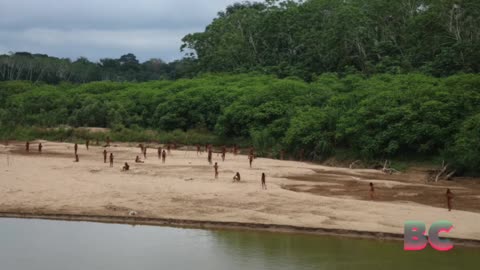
(40,147)
(159,152)
(264,182)
(87,143)
(27,146)
(145,152)
(111,159)
(216,170)
(236,178)
(449,199)
(164,156)
(252,151)
(198,149)
(105,156)
(250,159)
(141,147)
(126,167)
(108,140)
(209,157)
(138,160)
(75,147)
(169,148)
(224,152)
(76,158)
(372,191)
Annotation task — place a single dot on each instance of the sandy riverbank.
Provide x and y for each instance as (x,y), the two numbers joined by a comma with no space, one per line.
(184,189)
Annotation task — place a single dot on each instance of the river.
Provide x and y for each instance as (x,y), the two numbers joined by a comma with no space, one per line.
(51,245)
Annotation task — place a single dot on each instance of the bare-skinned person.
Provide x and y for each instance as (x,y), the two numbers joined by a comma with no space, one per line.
(250,159)
(104,155)
(159,152)
(372,191)
(27,146)
(209,157)
(236,178)
(216,170)
(76,158)
(111,159)
(126,167)
(264,181)
(138,160)
(75,148)
(40,147)
(449,196)
(87,143)
(164,156)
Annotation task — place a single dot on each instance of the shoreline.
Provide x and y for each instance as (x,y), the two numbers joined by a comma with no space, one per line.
(223,225)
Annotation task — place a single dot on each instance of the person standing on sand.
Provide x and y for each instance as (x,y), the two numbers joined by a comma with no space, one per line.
(145,152)
(141,147)
(264,182)
(449,199)
(40,147)
(169,148)
(216,170)
(235,149)
(236,178)
(27,146)
(87,143)
(224,152)
(75,148)
(250,159)
(372,191)
(111,159)
(198,149)
(209,158)
(159,152)
(164,156)
(104,155)
(108,140)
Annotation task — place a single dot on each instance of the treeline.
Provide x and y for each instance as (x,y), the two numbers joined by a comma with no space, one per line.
(307,38)
(377,117)
(43,68)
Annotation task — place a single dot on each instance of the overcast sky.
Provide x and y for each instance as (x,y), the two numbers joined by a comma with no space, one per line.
(103,28)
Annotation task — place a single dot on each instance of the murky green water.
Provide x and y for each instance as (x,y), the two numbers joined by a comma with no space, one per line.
(52,245)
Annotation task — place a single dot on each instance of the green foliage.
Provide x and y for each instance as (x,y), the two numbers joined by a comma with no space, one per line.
(382,116)
(466,147)
(305,38)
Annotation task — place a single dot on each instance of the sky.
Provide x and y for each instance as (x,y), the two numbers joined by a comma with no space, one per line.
(103,28)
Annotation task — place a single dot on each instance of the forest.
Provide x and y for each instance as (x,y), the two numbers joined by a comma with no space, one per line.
(383,116)
(371,79)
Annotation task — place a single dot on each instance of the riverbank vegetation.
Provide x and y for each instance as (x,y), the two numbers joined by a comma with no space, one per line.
(381,116)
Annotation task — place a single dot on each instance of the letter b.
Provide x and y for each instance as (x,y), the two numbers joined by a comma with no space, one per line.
(414,236)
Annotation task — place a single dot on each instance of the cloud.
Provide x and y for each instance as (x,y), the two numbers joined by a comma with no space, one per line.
(95,29)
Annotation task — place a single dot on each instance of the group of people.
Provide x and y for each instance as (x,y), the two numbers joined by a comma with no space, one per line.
(162,154)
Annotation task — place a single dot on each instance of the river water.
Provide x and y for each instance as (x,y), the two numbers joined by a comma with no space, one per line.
(52,245)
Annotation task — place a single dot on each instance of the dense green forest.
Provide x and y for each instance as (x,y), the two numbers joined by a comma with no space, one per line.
(377,117)
(295,38)
(372,78)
